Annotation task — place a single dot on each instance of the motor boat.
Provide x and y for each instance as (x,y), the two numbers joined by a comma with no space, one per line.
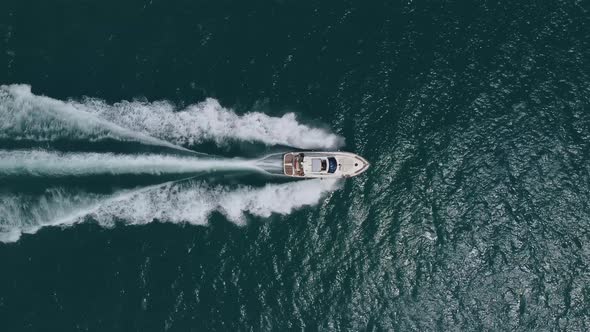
(323,164)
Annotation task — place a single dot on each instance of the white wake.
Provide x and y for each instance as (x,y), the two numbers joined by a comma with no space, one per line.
(172,202)
(44,163)
(25,116)
(27,213)
(28,116)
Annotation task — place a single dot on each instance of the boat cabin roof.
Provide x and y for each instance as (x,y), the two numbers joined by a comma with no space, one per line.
(321,165)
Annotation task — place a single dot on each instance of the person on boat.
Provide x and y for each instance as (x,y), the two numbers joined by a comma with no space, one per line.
(299,164)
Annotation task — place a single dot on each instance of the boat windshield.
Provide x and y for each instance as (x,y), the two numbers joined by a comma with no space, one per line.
(333,165)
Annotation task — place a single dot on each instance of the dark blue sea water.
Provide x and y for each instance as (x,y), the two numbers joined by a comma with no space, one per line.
(129,200)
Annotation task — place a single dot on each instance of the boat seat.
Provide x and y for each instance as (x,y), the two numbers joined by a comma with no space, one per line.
(288,169)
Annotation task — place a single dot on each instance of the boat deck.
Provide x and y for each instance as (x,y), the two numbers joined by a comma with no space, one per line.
(288,164)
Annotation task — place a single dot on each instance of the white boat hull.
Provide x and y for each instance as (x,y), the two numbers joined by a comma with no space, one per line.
(323,164)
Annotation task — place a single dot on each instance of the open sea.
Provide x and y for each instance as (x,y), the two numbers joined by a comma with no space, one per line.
(132,197)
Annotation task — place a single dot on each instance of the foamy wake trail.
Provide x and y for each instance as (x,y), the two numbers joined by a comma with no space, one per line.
(172,202)
(44,163)
(27,213)
(28,116)
(209,121)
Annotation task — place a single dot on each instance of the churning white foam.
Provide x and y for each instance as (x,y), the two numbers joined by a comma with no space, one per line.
(172,202)
(33,117)
(176,203)
(26,116)
(27,213)
(209,121)
(44,163)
